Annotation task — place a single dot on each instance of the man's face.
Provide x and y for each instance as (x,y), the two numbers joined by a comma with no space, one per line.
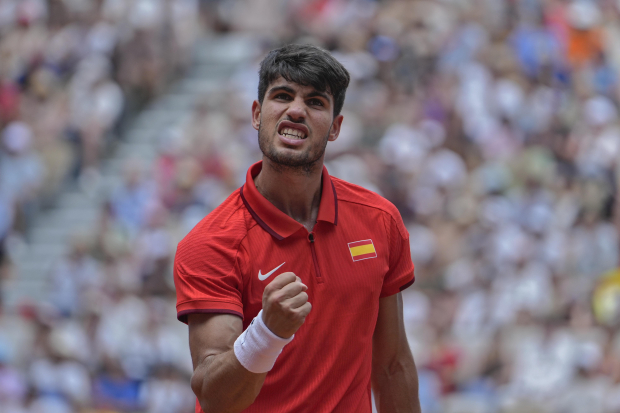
(294,123)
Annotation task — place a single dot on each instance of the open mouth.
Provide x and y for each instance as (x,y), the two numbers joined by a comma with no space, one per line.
(293,131)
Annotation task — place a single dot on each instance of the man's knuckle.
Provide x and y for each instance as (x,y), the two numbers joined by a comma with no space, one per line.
(272,300)
(288,276)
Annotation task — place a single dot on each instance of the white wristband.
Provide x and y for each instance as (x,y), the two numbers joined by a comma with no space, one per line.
(257,348)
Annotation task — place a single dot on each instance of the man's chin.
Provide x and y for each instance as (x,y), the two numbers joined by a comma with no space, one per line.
(291,158)
(296,162)
(290,161)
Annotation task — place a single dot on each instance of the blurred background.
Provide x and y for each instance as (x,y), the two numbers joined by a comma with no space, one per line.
(492,125)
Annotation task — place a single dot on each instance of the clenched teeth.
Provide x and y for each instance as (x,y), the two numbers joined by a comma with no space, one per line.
(293,133)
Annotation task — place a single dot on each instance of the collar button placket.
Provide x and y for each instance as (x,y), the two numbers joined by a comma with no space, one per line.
(317,269)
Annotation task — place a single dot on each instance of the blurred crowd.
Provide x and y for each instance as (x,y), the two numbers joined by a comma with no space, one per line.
(71,73)
(493,125)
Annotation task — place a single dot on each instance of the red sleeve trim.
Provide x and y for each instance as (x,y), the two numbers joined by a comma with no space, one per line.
(182,315)
(207,306)
(409,284)
(395,290)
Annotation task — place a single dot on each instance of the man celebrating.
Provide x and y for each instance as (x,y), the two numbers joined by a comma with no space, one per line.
(291,287)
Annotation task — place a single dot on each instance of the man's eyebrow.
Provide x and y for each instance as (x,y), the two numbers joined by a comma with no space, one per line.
(281,88)
(292,92)
(319,94)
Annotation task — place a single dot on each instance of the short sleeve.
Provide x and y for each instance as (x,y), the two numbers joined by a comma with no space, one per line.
(208,276)
(400,273)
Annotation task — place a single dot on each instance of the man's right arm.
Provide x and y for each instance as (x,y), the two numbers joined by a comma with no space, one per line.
(220,382)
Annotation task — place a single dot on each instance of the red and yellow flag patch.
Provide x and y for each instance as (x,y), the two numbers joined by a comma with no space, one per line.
(362,250)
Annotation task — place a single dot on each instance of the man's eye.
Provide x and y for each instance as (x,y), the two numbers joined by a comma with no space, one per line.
(283,96)
(315,102)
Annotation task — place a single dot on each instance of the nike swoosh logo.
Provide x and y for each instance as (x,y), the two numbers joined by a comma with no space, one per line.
(263,277)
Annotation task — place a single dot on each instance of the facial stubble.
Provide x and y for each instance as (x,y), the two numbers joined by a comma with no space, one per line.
(301,163)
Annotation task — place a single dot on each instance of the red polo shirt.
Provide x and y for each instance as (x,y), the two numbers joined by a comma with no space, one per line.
(357,252)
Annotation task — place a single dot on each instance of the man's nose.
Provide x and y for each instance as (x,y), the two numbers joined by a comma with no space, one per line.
(297,110)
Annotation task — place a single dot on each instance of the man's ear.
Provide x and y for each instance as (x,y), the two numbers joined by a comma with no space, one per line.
(256,114)
(335,130)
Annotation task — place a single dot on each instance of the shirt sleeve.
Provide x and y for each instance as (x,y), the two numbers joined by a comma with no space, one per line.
(208,276)
(400,273)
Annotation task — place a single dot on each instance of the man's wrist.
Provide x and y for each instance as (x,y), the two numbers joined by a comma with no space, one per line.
(257,348)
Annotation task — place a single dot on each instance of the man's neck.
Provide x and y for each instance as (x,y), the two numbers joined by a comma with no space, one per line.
(294,192)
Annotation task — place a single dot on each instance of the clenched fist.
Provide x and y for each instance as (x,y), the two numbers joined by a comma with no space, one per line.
(285,304)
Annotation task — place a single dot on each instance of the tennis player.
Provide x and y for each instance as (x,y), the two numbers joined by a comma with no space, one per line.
(291,287)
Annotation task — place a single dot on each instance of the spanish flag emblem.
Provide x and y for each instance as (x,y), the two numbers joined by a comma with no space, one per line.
(362,250)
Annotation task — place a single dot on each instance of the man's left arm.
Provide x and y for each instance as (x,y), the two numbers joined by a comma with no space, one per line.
(394,375)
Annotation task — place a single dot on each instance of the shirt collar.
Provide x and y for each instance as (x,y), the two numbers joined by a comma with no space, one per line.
(276,222)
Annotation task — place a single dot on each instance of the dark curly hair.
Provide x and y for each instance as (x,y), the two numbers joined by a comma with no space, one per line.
(305,65)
